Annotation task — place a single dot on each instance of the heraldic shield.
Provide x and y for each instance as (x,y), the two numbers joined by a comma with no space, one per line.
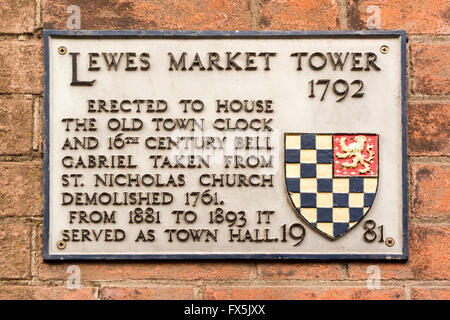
(331,179)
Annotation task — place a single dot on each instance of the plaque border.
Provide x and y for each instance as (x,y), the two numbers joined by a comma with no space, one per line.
(148,34)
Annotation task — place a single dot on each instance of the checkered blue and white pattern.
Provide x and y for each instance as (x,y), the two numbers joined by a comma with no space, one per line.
(331,204)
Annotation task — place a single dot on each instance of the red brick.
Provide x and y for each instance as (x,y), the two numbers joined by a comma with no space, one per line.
(428,130)
(153,293)
(17,16)
(428,257)
(430,190)
(430,293)
(155,14)
(303,271)
(21,188)
(15,255)
(9,292)
(300,15)
(414,16)
(430,68)
(301,293)
(22,66)
(16,126)
(149,270)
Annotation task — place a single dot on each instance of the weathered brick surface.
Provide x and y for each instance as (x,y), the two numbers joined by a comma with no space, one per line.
(15,292)
(21,188)
(428,130)
(21,66)
(155,14)
(16,126)
(299,15)
(149,270)
(429,257)
(15,256)
(300,270)
(430,68)
(153,293)
(431,190)
(17,16)
(414,16)
(430,293)
(21,192)
(302,293)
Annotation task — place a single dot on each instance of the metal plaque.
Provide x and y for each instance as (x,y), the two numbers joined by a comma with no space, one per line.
(217,145)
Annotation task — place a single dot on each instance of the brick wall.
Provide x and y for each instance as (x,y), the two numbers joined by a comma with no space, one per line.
(24,275)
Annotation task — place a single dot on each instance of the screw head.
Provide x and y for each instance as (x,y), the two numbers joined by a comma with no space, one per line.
(384,49)
(62,50)
(389,242)
(61,245)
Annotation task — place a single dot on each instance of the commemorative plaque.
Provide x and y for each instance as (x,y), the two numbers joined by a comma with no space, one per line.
(218,145)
